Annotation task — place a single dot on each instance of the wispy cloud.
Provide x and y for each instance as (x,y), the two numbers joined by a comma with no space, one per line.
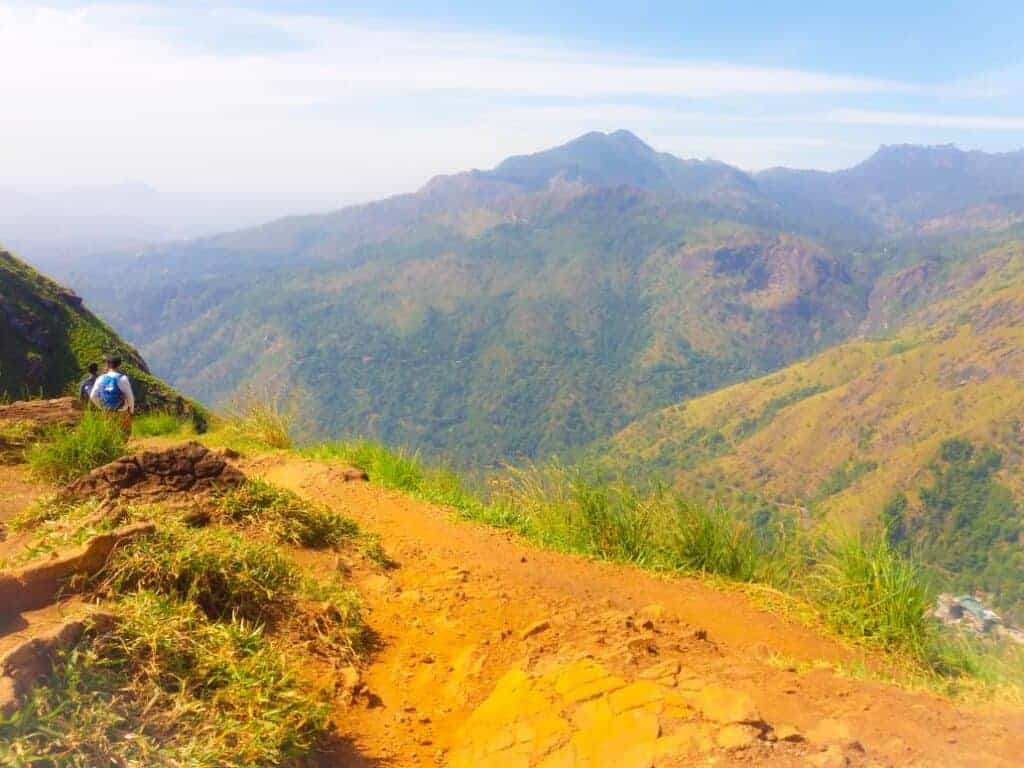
(927,120)
(237,101)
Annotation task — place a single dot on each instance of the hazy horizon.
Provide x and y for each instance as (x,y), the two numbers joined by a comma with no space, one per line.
(328,104)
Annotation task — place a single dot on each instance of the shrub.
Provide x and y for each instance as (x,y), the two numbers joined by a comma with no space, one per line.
(224,574)
(166,687)
(868,590)
(63,454)
(283,515)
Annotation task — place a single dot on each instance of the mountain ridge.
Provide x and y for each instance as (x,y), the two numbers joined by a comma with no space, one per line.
(535,307)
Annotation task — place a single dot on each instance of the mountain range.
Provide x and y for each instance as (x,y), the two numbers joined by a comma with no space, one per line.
(551,301)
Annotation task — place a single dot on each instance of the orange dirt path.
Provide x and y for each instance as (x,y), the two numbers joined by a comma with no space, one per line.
(453,618)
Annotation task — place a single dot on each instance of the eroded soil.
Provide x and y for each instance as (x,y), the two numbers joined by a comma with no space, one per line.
(485,642)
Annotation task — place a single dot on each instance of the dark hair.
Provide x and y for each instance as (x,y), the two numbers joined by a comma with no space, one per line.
(93,368)
(114,361)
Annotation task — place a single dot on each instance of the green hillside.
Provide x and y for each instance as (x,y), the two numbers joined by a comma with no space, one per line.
(48,339)
(549,302)
(526,339)
(920,431)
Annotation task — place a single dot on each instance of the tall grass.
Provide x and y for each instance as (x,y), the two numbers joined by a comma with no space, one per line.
(63,454)
(860,585)
(262,418)
(160,424)
(166,687)
(566,509)
(868,590)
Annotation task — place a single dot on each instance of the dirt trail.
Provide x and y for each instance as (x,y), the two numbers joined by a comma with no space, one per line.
(471,616)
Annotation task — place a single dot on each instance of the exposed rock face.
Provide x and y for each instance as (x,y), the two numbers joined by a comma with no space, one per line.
(39,583)
(61,410)
(583,713)
(21,666)
(151,475)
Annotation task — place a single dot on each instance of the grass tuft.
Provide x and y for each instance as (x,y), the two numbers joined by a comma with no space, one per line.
(222,573)
(166,687)
(283,515)
(64,454)
(160,424)
(261,419)
(868,590)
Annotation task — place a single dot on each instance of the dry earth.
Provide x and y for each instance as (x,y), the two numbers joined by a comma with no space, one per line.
(495,653)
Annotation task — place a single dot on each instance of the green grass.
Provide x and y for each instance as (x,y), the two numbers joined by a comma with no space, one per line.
(869,590)
(160,424)
(863,587)
(63,454)
(208,663)
(260,419)
(167,687)
(221,572)
(283,515)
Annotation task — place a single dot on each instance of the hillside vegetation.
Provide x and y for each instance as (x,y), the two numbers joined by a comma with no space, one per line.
(535,307)
(48,338)
(926,424)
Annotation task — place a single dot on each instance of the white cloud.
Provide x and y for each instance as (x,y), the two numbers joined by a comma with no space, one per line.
(926,120)
(236,103)
(104,91)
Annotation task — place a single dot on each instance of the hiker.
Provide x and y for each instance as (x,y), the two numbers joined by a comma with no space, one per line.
(112,392)
(85,388)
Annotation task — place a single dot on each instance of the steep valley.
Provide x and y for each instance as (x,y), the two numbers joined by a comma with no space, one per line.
(533,308)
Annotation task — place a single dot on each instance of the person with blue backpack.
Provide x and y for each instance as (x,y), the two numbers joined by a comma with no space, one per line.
(112,392)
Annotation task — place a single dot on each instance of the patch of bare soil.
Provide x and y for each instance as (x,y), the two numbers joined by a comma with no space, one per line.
(495,653)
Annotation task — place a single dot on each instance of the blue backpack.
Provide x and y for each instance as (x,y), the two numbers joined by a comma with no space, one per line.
(110,394)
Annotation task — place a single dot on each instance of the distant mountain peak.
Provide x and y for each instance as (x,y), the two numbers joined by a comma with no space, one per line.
(618,158)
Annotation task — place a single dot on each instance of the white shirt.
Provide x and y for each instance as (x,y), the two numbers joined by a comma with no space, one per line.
(126,390)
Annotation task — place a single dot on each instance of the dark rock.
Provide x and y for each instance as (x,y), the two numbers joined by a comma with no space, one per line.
(154,475)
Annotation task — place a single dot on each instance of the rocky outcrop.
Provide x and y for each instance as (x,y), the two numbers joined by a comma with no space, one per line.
(152,475)
(26,662)
(23,421)
(61,410)
(41,582)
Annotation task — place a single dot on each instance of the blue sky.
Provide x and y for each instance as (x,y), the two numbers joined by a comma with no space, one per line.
(340,102)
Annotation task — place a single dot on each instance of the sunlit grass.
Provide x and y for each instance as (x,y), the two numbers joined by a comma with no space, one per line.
(858,585)
(62,454)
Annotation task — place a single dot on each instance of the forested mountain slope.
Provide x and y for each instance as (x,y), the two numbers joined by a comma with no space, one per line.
(921,431)
(48,338)
(550,301)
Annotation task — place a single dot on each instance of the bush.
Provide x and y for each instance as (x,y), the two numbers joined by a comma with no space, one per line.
(283,515)
(868,590)
(225,575)
(166,687)
(64,454)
